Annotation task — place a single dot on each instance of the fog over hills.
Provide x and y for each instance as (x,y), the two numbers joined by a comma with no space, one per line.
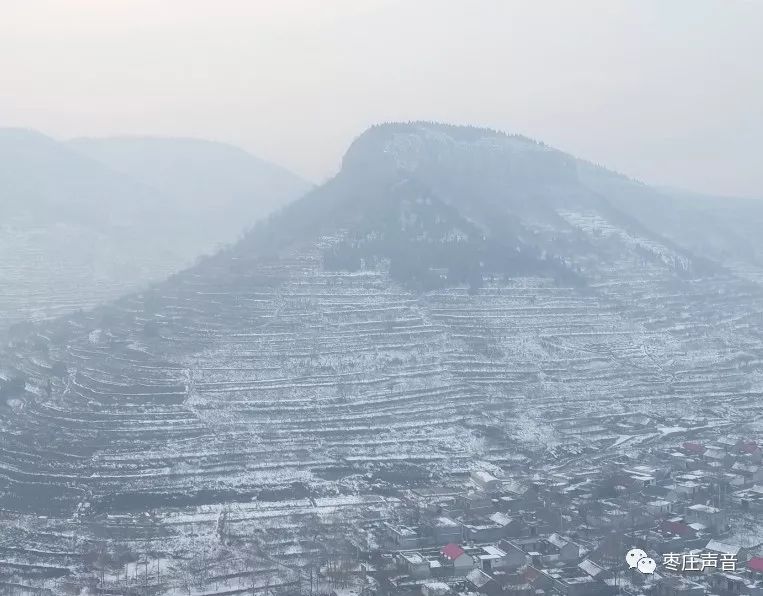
(454,295)
(219,184)
(722,229)
(87,221)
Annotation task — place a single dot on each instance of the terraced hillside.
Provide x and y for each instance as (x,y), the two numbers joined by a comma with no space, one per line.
(258,413)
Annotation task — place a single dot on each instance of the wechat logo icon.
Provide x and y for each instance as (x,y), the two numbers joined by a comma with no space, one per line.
(638,559)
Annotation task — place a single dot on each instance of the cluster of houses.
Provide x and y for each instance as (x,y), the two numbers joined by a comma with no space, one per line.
(567,531)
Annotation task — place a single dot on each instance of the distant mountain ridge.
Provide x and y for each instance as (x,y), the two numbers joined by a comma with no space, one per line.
(229,184)
(86,221)
(44,180)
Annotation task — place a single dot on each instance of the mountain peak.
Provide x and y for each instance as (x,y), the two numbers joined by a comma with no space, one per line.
(421,147)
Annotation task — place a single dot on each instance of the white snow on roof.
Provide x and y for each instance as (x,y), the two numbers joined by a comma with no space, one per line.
(494,550)
(723,547)
(590,568)
(500,518)
(704,508)
(483,476)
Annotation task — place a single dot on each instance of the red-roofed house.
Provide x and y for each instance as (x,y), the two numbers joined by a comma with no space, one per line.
(456,556)
(451,551)
(678,528)
(694,448)
(755,565)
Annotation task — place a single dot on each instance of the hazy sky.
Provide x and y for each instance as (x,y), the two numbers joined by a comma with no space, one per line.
(669,91)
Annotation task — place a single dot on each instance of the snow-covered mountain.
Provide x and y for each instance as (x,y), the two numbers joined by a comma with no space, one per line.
(454,294)
(428,196)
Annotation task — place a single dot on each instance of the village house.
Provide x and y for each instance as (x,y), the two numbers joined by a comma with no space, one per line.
(679,535)
(492,558)
(716,453)
(680,460)
(485,481)
(482,530)
(511,526)
(594,570)
(716,546)
(516,489)
(443,530)
(663,543)
(415,565)
(752,474)
(685,489)
(473,503)
(403,537)
(566,550)
(751,451)
(639,481)
(516,556)
(749,499)
(711,517)
(755,567)
(660,492)
(694,449)
(732,481)
(659,507)
(729,584)
(480,582)
(456,558)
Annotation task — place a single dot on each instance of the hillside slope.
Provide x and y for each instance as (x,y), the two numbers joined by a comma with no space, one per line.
(453,295)
(75,232)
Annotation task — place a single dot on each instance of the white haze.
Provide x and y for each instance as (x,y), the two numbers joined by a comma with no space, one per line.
(666,91)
